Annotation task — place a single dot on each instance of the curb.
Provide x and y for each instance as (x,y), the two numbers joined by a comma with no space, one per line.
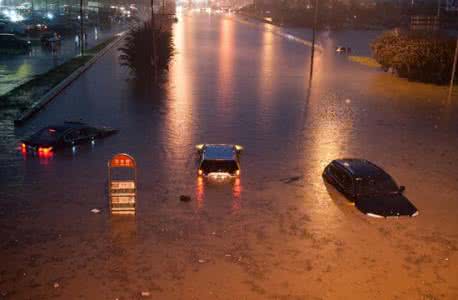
(280,31)
(18,84)
(51,94)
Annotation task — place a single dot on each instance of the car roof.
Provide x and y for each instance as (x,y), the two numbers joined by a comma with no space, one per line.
(66,126)
(360,167)
(219,152)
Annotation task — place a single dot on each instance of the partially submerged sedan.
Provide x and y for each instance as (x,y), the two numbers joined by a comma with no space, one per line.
(373,191)
(219,160)
(63,135)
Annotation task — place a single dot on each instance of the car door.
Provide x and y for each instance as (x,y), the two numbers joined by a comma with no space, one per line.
(343,180)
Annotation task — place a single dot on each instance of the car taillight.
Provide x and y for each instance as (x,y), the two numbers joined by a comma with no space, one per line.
(237,172)
(23,146)
(44,150)
(201,172)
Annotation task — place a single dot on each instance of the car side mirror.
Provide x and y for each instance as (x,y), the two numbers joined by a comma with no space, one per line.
(200,148)
(402,189)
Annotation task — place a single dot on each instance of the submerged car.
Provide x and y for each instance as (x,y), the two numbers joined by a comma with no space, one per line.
(219,160)
(373,191)
(10,42)
(64,135)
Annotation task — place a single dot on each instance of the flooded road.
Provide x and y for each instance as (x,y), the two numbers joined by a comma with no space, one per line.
(279,231)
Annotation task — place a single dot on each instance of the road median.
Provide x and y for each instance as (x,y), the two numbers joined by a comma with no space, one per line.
(26,100)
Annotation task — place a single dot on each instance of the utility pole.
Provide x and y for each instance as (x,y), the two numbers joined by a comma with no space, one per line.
(153,29)
(81,28)
(315,21)
(452,80)
(438,9)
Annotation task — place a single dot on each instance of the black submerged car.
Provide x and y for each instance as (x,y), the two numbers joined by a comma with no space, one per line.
(372,190)
(64,135)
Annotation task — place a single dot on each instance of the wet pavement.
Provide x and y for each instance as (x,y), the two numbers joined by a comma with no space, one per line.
(18,69)
(278,231)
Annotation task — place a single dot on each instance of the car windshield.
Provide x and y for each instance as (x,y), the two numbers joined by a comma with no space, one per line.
(382,184)
(47,135)
(210,166)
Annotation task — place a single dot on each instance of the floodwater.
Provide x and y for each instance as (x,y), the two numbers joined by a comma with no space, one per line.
(278,231)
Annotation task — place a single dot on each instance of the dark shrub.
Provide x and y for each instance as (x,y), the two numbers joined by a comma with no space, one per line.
(137,52)
(415,56)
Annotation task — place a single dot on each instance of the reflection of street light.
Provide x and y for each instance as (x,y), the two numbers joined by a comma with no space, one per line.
(312,55)
(452,80)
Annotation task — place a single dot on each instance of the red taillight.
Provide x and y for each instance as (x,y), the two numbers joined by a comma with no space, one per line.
(237,172)
(23,146)
(44,150)
(201,172)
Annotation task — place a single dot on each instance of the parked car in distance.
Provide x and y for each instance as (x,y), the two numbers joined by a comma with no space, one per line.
(64,135)
(219,160)
(373,191)
(11,43)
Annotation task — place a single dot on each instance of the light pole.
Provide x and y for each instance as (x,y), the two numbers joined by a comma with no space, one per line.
(438,9)
(81,28)
(153,28)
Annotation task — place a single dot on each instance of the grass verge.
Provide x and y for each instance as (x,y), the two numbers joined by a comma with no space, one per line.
(365,60)
(23,96)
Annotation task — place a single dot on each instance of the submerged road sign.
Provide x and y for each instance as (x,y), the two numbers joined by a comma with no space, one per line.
(122,192)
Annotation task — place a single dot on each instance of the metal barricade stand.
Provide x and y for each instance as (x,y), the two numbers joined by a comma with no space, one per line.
(122,192)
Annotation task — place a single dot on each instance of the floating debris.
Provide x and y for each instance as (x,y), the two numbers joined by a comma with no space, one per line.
(290,179)
(202,261)
(95,211)
(185,198)
(146,294)
(56,285)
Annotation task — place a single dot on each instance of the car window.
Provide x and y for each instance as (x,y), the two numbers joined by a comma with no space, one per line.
(47,135)
(342,177)
(346,181)
(382,184)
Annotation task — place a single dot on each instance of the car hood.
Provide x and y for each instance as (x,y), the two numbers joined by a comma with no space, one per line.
(390,205)
(34,141)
